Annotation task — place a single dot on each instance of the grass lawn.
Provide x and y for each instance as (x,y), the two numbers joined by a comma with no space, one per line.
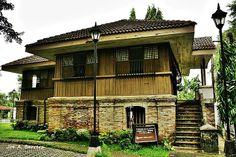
(150,151)
(155,151)
(7,132)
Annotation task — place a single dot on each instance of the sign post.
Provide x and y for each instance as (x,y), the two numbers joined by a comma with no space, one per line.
(145,133)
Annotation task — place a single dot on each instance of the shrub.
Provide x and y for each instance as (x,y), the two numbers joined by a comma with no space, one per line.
(167,144)
(20,125)
(83,135)
(105,152)
(122,137)
(67,134)
(25,125)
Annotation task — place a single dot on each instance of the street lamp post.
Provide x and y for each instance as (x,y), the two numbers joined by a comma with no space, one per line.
(219,19)
(95,34)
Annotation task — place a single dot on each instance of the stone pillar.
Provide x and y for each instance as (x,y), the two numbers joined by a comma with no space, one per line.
(209,139)
(20,110)
(166,118)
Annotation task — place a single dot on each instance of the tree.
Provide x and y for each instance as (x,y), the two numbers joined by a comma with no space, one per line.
(153,13)
(3,99)
(6,27)
(12,97)
(232,9)
(187,88)
(230,71)
(132,14)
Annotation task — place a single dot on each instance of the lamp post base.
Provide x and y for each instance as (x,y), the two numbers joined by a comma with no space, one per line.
(230,148)
(92,151)
(94,141)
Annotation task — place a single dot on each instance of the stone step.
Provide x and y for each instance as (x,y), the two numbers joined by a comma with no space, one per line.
(188,144)
(188,149)
(187,109)
(188,116)
(189,120)
(192,102)
(187,133)
(187,128)
(189,113)
(188,138)
(187,124)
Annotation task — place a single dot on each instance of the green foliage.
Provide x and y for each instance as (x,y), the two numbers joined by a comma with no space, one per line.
(6,28)
(67,134)
(230,72)
(3,99)
(150,151)
(187,88)
(7,132)
(167,144)
(115,137)
(25,125)
(153,13)
(83,135)
(106,152)
(232,8)
(132,15)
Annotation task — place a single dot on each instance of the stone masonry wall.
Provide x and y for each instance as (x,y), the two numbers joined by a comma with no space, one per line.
(39,104)
(19,110)
(77,112)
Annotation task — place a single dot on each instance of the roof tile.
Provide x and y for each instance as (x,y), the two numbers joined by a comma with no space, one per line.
(27,60)
(117,27)
(203,43)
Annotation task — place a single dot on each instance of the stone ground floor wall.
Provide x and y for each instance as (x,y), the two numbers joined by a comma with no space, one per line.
(41,113)
(77,112)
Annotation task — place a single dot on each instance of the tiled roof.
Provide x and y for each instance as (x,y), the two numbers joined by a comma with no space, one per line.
(27,60)
(117,27)
(203,43)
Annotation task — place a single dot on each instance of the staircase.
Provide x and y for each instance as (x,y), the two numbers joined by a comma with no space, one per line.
(188,122)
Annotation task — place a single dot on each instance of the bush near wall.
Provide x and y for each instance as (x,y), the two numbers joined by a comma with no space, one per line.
(26,125)
(67,134)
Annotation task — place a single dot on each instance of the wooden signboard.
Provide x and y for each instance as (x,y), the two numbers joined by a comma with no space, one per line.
(145,133)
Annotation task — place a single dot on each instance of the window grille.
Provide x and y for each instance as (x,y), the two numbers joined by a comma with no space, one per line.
(151,52)
(122,55)
(67,60)
(90,58)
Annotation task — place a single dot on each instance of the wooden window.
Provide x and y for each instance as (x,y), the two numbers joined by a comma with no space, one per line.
(122,55)
(135,115)
(90,58)
(67,66)
(151,52)
(79,64)
(37,79)
(136,60)
(68,60)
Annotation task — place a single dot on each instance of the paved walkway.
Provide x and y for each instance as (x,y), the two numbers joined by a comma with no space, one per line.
(19,150)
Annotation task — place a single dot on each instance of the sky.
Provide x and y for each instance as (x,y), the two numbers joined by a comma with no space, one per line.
(44,18)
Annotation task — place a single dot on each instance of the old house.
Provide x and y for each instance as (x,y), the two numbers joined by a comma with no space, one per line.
(139,64)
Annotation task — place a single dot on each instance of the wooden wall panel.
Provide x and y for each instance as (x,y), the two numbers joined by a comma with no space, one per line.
(38,94)
(123,86)
(108,86)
